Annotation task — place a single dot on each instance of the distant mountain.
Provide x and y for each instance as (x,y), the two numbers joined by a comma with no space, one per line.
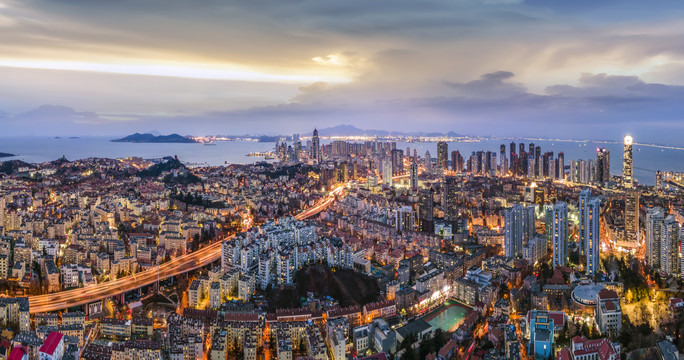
(149,138)
(2,155)
(351,130)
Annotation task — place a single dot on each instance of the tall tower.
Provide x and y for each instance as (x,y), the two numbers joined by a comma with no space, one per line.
(632,217)
(456,161)
(602,165)
(513,231)
(582,207)
(560,234)
(315,147)
(655,217)
(450,199)
(425,210)
(414,176)
(592,222)
(669,246)
(627,170)
(443,155)
(387,174)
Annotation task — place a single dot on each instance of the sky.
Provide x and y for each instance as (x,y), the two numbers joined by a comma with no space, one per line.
(581,69)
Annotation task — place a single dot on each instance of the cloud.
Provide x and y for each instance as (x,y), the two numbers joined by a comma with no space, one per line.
(407,64)
(491,84)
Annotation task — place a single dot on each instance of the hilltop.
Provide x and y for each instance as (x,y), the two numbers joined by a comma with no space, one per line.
(149,138)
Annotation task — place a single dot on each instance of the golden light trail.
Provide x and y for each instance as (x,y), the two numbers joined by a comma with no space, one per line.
(179,70)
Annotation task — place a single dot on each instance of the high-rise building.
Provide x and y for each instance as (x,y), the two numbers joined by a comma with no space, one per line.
(560,174)
(450,198)
(456,161)
(530,167)
(655,217)
(413,180)
(584,196)
(513,231)
(397,161)
(518,229)
(632,217)
(627,180)
(443,155)
(669,246)
(560,234)
(602,165)
(502,151)
(511,151)
(425,210)
(387,174)
(315,147)
(572,176)
(592,226)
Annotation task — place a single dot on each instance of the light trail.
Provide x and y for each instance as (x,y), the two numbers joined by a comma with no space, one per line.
(200,258)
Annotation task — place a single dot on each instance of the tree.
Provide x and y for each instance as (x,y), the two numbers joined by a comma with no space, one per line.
(438,339)
(409,354)
(424,348)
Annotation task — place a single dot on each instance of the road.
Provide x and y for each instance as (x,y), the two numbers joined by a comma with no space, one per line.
(202,257)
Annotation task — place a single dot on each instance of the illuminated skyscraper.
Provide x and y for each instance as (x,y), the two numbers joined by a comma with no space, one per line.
(592,227)
(425,210)
(450,198)
(602,165)
(655,217)
(669,246)
(512,159)
(413,180)
(513,231)
(387,174)
(397,161)
(560,234)
(315,147)
(582,208)
(627,180)
(632,217)
(456,161)
(443,155)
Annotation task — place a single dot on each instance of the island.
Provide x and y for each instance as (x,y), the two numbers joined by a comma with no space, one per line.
(149,138)
(3,155)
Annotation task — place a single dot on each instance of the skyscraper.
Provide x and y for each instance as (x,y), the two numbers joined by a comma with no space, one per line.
(450,198)
(513,231)
(592,221)
(560,174)
(560,234)
(655,217)
(602,165)
(425,210)
(387,174)
(456,161)
(315,147)
(627,180)
(584,196)
(530,167)
(414,176)
(502,151)
(397,161)
(512,161)
(632,217)
(669,246)
(443,155)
